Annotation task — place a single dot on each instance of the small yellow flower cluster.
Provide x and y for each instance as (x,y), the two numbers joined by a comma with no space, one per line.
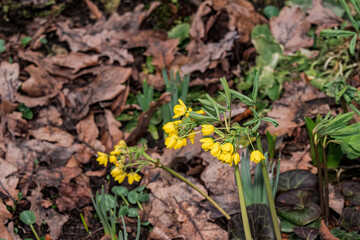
(224,152)
(118,158)
(176,140)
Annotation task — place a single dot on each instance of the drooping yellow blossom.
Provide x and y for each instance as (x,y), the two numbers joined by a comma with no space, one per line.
(256,156)
(201,112)
(191,136)
(112,159)
(122,144)
(121,177)
(227,157)
(207,143)
(171,140)
(117,150)
(180,142)
(179,109)
(133,176)
(169,127)
(215,149)
(102,158)
(207,129)
(236,158)
(116,171)
(227,147)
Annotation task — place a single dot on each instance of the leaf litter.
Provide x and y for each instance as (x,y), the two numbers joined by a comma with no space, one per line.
(76,95)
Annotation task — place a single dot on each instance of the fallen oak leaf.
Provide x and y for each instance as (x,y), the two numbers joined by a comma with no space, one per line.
(75,61)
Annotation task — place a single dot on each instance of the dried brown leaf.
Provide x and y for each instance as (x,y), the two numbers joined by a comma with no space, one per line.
(299,100)
(207,53)
(9,82)
(323,17)
(113,134)
(75,61)
(53,134)
(287,30)
(40,82)
(4,214)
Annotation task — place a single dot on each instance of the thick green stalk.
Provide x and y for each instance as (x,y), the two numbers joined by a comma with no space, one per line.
(177,175)
(326,186)
(244,215)
(269,194)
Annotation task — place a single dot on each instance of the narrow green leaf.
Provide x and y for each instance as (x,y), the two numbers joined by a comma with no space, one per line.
(352,45)
(356,4)
(214,104)
(337,33)
(246,100)
(197,116)
(348,12)
(227,91)
(255,86)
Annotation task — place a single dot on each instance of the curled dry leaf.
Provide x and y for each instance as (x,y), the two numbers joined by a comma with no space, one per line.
(209,52)
(74,195)
(88,131)
(113,134)
(336,199)
(4,214)
(53,134)
(8,181)
(40,82)
(287,30)
(75,61)
(299,100)
(9,82)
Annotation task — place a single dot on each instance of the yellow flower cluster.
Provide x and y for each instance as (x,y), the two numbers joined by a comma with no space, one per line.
(174,140)
(224,152)
(117,157)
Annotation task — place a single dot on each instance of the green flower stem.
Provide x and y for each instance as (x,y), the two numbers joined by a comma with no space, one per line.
(140,206)
(33,230)
(270,197)
(321,188)
(126,202)
(178,176)
(244,215)
(326,186)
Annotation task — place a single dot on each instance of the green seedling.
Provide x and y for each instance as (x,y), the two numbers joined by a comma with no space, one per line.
(148,67)
(44,42)
(271,144)
(28,217)
(137,196)
(121,192)
(178,88)
(85,224)
(2,46)
(25,41)
(25,111)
